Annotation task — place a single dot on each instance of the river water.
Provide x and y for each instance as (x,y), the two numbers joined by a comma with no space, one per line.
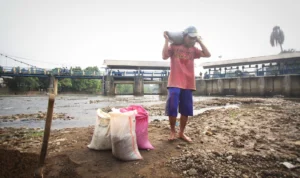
(81,107)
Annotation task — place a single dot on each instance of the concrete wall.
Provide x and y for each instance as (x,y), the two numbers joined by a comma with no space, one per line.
(163,86)
(295,85)
(109,86)
(288,85)
(138,85)
(254,86)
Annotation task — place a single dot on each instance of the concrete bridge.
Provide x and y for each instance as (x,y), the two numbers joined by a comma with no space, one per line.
(136,73)
(142,74)
(286,85)
(256,76)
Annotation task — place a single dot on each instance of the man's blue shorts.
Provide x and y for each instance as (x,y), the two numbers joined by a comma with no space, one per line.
(181,98)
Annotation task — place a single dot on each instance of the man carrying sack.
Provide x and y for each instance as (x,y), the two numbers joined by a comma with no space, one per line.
(181,81)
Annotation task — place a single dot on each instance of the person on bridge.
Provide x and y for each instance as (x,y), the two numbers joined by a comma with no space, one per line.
(181,81)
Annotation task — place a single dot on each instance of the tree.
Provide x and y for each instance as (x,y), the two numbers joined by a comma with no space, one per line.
(277,37)
(87,85)
(124,89)
(23,83)
(91,70)
(44,83)
(65,84)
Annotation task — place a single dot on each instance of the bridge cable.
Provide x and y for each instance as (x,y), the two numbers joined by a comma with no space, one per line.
(33,60)
(17,60)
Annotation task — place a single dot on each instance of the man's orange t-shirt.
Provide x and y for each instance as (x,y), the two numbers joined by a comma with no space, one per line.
(182,66)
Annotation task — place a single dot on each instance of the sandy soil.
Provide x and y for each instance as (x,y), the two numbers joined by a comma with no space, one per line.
(251,141)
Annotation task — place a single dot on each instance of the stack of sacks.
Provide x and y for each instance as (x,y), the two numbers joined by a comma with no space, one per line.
(124,131)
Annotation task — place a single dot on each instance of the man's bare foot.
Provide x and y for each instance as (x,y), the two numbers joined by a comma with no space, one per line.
(172,136)
(185,138)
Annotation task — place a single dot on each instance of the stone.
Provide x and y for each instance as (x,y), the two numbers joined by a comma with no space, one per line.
(245,176)
(297,143)
(216,153)
(178,147)
(229,158)
(40,116)
(58,143)
(182,144)
(189,160)
(244,153)
(288,165)
(209,133)
(198,160)
(192,172)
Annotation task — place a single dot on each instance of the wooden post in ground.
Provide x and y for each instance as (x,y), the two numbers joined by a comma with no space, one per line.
(39,172)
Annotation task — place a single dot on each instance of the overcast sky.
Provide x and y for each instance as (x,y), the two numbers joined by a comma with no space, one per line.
(85,32)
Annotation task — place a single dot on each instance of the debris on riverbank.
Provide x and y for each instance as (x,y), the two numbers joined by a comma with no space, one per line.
(261,138)
(37,116)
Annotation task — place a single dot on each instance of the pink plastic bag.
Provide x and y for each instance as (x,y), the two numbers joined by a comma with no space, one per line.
(141,129)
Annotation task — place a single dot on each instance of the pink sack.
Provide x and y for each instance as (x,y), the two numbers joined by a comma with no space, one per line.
(141,129)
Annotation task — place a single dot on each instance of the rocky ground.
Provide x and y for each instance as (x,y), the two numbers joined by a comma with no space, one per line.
(37,116)
(261,138)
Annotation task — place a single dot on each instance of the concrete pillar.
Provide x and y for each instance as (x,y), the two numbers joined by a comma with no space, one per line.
(220,86)
(102,86)
(55,86)
(239,86)
(201,88)
(262,86)
(109,86)
(163,87)
(287,85)
(115,89)
(138,88)
(51,85)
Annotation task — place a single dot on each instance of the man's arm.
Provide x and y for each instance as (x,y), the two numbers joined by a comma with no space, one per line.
(165,52)
(204,52)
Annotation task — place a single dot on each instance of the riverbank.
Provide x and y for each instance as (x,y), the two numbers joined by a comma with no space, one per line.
(254,140)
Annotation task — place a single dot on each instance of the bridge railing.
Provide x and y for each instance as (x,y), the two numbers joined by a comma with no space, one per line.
(141,73)
(23,70)
(258,72)
(78,72)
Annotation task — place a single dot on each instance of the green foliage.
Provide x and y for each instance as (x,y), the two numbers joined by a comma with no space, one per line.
(23,83)
(66,84)
(92,70)
(44,83)
(33,134)
(124,89)
(277,37)
(151,88)
(81,85)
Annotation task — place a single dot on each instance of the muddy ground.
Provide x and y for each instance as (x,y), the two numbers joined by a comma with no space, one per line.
(253,140)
